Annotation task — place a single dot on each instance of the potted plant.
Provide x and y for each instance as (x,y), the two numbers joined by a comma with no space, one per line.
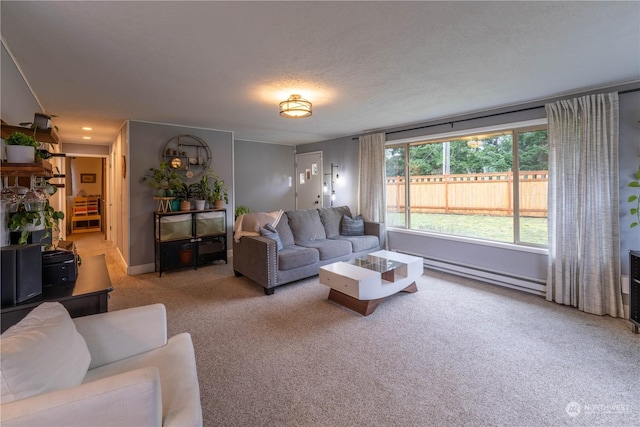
(40,121)
(23,223)
(219,193)
(200,191)
(183,194)
(160,179)
(21,148)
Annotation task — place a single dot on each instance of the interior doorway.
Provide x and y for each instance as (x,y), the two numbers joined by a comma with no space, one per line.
(309,183)
(85,186)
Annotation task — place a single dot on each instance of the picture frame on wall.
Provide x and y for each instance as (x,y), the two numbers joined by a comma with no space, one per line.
(88,178)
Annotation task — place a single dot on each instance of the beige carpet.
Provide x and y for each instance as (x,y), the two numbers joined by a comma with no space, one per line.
(458,352)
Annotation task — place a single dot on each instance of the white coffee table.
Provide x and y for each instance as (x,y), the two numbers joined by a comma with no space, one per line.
(363,283)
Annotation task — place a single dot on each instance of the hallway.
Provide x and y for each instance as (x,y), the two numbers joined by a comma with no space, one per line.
(90,244)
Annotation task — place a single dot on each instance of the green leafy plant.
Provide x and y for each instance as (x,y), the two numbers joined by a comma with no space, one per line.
(20,221)
(19,138)
(163,177)
(635,199)
(183,192)
(200,190)
(241,210)
(219,191)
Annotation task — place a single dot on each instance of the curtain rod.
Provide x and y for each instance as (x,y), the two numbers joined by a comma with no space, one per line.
(452,122)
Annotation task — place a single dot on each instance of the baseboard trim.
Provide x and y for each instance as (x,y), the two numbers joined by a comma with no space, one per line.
(521,283)
(141,269)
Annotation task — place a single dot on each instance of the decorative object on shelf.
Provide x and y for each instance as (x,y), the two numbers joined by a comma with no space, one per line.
(164,204)
(188,155)
(295,107)
(21,148)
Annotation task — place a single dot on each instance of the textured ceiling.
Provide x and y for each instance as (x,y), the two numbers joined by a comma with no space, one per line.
(363,65)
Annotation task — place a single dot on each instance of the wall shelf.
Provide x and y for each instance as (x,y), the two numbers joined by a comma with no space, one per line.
(39,168)
(42,135)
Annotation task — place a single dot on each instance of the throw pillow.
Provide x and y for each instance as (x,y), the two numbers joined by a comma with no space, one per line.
(270,232)
(352,226)
(43,352)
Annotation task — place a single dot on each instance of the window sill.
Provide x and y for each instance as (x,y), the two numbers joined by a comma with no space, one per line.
(470,240)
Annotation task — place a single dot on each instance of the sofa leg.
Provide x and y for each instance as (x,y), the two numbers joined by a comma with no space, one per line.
(237,273)
(269,291)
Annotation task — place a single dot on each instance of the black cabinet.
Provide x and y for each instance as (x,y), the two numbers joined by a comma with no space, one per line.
(189,238)
(634,290)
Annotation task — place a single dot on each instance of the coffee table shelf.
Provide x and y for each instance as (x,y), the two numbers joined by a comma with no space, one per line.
(362,284)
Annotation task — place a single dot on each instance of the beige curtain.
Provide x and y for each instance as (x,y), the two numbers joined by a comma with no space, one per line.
(372,190)
(584,235)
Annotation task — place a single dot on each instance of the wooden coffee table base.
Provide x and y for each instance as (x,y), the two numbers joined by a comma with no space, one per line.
(364,307)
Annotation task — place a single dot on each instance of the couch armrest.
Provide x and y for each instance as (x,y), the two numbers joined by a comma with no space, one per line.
(257,258)
(120,334)
(376,229)
(133,398)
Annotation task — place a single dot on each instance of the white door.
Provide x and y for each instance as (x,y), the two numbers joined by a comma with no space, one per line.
(309,180)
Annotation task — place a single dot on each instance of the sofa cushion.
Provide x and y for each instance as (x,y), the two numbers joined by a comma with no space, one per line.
(331,217)
(352,226)
(361,243)
(270,232)
(306,225)
(284,231)
(43,352)
(328,248)
(294,256)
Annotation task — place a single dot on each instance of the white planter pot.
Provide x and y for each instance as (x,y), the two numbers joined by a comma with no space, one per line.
(20,154)
(199,204)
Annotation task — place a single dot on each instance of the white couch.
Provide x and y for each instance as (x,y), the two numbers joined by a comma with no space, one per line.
(133,375)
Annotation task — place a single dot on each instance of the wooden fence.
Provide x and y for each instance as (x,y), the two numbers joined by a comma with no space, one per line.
(482,193)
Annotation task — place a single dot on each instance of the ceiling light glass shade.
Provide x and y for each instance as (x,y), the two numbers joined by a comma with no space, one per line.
(295,107)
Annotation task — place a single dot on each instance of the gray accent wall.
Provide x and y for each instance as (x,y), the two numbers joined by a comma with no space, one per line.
(262,176)
(146,141)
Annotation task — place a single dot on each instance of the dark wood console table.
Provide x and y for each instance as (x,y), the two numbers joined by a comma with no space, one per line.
(88,295)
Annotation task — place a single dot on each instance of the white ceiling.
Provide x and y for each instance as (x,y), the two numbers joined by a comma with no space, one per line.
(363,65)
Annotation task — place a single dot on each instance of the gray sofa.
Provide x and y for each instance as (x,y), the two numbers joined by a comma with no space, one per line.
(310,238)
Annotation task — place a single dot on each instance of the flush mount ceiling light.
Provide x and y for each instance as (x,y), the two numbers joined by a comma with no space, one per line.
(295,107)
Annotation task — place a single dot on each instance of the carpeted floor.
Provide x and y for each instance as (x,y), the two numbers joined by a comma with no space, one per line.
(456,353)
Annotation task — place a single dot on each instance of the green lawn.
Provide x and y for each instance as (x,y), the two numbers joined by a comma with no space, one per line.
(500,228)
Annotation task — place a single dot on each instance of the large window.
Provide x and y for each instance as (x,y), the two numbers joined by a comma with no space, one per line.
(466,186)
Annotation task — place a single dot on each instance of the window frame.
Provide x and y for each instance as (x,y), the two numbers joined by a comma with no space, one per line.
(515,129)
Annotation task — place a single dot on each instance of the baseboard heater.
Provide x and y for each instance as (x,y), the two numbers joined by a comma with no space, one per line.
(521,283)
